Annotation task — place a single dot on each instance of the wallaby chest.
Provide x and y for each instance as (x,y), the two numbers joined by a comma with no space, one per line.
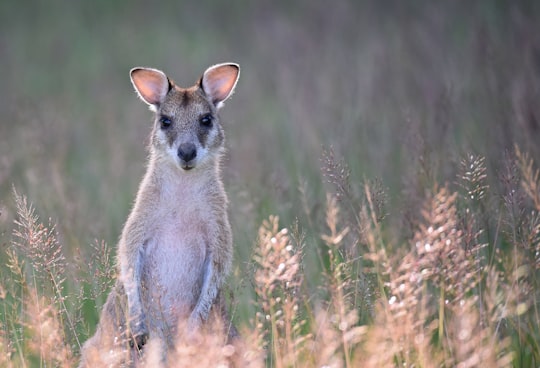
(173,259)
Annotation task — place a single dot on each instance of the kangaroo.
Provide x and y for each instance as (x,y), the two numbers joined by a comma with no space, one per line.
(175,250)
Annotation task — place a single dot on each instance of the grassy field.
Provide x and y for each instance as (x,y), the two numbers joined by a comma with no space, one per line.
(397,142)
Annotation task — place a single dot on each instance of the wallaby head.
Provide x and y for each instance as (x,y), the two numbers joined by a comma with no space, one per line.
(187,130)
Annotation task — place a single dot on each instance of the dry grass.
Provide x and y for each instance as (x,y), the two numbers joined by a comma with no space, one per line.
(415,240)
(450,296)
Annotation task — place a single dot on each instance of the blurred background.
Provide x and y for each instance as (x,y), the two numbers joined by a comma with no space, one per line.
(400,91)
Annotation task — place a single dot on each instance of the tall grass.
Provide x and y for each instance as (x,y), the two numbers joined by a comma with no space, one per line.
(461,291)
(353,123)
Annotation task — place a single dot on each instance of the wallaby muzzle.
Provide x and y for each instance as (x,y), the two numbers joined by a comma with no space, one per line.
(187,152)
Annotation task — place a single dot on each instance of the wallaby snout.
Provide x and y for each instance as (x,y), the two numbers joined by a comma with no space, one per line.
(187,152)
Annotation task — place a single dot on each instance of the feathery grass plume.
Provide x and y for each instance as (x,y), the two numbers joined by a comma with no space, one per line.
(95,275)
(375,262)
(418,157)
(371,236)
(404,325)
(532,241)
(514,219)
(345,254)
(45,266)
(331,335)
(472,178)
(472,343)
(337,173)
(326,344)
(343,285)
(531,177)
(522,264)
(277,282)
(335,238)
(251,350)
(377,198)
(46,333)
(37,242)
(16,267)
(520,283)
(404,315)
(435,274)
(508,316)
(528,237)
(441,255)
(101,270)
(514,198)
(439,246)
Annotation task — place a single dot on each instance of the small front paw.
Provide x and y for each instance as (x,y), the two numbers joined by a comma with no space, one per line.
(138,341)
(139,334)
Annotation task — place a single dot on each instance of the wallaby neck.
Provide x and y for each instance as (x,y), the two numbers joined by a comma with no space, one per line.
(166,176)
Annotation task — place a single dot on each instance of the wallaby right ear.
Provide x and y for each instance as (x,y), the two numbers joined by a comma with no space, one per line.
(218,82)
(152,85)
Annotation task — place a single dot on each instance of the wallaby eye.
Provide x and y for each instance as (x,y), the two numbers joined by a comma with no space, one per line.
(165,122)
(206,120)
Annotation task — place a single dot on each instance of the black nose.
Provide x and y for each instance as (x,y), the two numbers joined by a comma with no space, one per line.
(187,152)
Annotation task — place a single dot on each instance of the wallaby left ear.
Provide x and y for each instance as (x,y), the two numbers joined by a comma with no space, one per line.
(218,82)
(152,85)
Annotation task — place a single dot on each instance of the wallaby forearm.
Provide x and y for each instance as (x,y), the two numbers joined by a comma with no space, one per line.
(130,253)
(130,276)
(216,270)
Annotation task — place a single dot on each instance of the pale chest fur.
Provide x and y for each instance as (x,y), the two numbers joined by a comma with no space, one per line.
(182,228)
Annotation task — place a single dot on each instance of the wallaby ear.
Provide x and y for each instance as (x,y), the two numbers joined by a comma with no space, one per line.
(152,85)
(218,82)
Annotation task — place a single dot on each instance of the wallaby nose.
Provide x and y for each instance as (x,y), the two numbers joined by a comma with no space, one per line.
(187,152)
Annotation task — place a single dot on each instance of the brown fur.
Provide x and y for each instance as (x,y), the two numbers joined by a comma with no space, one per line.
(176,247)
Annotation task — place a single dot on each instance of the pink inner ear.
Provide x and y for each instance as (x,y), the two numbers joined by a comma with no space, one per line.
(219,82)
(152,85)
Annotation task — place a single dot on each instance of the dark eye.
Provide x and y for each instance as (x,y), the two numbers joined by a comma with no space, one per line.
(165,122)
(206,120)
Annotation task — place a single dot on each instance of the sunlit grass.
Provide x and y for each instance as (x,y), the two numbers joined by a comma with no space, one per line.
(361,126)
(450,295)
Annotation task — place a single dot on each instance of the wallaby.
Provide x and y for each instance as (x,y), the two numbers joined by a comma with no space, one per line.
(175,250)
